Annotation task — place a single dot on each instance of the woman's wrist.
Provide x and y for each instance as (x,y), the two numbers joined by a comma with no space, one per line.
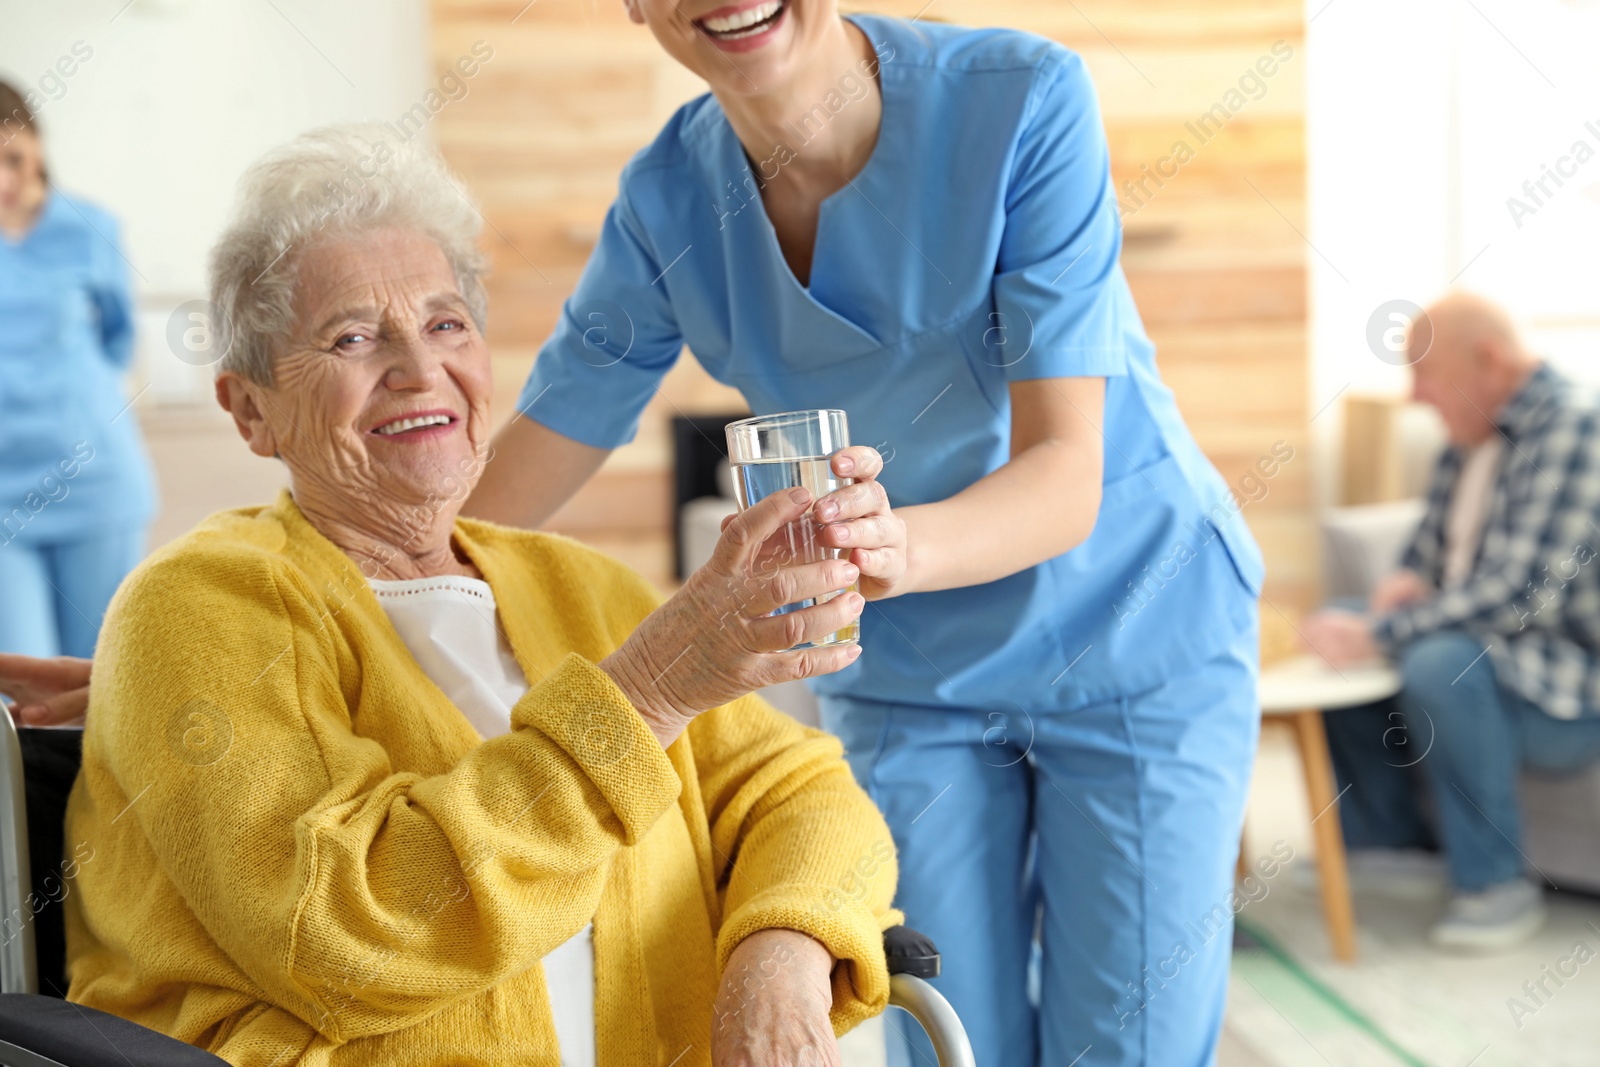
(774,1001)
(663,718)
(764,952)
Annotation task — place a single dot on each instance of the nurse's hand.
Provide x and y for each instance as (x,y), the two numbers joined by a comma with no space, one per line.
(47,692)
(774,1002)
(859,521)
(716,639)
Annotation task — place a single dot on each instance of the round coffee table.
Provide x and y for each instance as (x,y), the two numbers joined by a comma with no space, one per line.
(1300,690)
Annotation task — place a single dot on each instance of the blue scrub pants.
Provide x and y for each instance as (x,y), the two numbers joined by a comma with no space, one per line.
(1109,831)
(1467,738)
(53,596)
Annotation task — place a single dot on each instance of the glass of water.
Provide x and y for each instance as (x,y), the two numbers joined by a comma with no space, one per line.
(787,451)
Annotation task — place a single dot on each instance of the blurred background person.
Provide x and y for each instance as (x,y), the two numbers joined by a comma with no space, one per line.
(1493,619)
(76,490)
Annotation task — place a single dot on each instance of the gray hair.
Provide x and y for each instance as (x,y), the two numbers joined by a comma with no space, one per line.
(336,181)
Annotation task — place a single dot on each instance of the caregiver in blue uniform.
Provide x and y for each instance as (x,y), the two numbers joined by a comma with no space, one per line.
(1054,706)
(75,486)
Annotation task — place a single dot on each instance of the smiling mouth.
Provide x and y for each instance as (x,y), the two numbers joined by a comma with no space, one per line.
(416,422)
(745,23)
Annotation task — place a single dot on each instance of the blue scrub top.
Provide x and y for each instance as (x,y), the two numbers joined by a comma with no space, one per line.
(71,461)
(979,246)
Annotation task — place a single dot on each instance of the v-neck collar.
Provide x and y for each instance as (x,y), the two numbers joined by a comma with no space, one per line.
(514,586)
(734,150)
(327,565)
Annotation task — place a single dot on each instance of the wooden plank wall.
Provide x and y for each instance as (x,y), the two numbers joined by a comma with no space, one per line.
(1213,250)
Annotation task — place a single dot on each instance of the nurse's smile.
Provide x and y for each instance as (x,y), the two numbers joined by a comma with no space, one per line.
(743,27)
(775,52)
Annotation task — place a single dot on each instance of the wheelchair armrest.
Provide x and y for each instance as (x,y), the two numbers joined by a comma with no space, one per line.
(910,952)
(912,959)
(38,1031)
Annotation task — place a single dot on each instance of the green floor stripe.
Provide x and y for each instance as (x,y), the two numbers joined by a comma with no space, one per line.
(1327,994)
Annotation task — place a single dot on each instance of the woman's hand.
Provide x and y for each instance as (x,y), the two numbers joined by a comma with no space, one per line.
(715,639)
(48,692)
(858,520)
(773,1006)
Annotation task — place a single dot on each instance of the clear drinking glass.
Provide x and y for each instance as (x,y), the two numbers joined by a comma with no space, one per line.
(787,451)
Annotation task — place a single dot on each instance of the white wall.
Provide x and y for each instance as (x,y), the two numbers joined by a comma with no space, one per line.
(176,97)
(1423,117)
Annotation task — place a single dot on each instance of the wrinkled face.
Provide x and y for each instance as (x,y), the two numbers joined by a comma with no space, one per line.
(742,47)
(21,168)
(380,398)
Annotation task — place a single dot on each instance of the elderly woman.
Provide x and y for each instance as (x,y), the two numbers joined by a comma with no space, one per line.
(366,783)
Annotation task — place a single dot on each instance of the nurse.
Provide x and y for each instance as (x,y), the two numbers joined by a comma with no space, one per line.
(75,486)
(1054,707)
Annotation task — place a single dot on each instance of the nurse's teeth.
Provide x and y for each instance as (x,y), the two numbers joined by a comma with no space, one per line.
(741,19)
(402,425)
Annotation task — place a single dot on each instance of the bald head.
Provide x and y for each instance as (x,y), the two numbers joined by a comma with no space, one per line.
(1467,363)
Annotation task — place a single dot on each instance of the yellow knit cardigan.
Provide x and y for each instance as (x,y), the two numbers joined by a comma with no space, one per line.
(300,852)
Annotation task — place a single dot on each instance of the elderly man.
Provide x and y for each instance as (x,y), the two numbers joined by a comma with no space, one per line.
(1493,618)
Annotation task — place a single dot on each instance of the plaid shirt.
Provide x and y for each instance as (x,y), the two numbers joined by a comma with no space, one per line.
(1533,594)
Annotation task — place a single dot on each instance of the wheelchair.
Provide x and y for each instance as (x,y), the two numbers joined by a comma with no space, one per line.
(37,769)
